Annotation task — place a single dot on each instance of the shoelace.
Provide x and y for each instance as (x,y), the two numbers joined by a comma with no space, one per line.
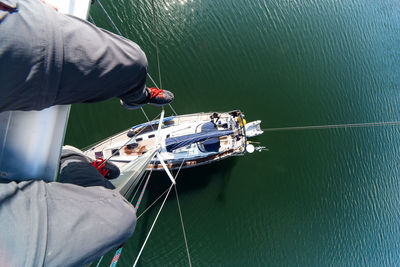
(156,92)
(100,164)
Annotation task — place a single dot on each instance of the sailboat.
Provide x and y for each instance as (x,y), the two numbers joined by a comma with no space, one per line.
(186,140)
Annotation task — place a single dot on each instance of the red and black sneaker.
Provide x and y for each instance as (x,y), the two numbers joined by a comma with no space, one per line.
(159,97)
(156,97)
(72,154)
(107,169)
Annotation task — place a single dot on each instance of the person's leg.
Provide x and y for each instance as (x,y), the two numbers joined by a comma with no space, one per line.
(55,224)
(29,67)
(83,174)
(47,58)
(75,168)
(98,65)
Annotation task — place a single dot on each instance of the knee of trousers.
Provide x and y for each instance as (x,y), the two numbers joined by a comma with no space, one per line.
(142,60)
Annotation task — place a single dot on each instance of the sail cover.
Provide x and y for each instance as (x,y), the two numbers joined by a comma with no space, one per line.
(132,172)
(184,140)
(152,123)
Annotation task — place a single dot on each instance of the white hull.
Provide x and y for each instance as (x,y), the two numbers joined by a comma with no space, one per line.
(218,135)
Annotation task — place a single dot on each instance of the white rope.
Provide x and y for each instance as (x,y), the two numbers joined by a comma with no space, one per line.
(98,263)
(348,125)
(156,37)
(152,226)
(183,226)
(159,211)
(152,204)
(137,189)
(173,110)
(155,201)
(144,113)
(109,18)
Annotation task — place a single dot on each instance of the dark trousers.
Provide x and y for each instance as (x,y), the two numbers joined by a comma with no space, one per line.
(47,58)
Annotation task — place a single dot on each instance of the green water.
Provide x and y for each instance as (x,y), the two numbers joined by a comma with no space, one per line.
(317,197)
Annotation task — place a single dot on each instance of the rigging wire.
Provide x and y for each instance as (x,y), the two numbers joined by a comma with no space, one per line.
(152,226)
(98,263)
(155,220)
(155,201)
(183,226)
(109,18)
(117,254)
(156,37)
(91,19)
(119,250)
(333,126)
(137,189)
(143,190)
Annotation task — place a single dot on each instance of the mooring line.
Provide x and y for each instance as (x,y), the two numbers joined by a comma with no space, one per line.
(333,126)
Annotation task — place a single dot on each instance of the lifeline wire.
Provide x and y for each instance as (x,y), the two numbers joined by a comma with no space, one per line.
(332,126)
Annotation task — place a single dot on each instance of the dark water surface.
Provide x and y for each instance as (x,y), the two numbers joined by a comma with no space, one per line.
(319,197)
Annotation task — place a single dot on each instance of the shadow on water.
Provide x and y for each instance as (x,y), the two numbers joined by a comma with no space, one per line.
(188,180)
(192,179)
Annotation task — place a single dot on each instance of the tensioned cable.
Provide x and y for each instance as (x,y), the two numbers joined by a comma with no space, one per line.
(152,226)
(108,16)
(155,201)
(155,220)
(332,126)
(119,250)
(156,37)
(143,190)
(137,189)
(91,19)
(163,193)
(183,226)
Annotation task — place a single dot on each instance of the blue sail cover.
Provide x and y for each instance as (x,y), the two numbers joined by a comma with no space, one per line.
(209,145)
(151,123)
(181,141)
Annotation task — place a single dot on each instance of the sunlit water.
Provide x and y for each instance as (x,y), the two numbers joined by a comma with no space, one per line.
(322,197)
